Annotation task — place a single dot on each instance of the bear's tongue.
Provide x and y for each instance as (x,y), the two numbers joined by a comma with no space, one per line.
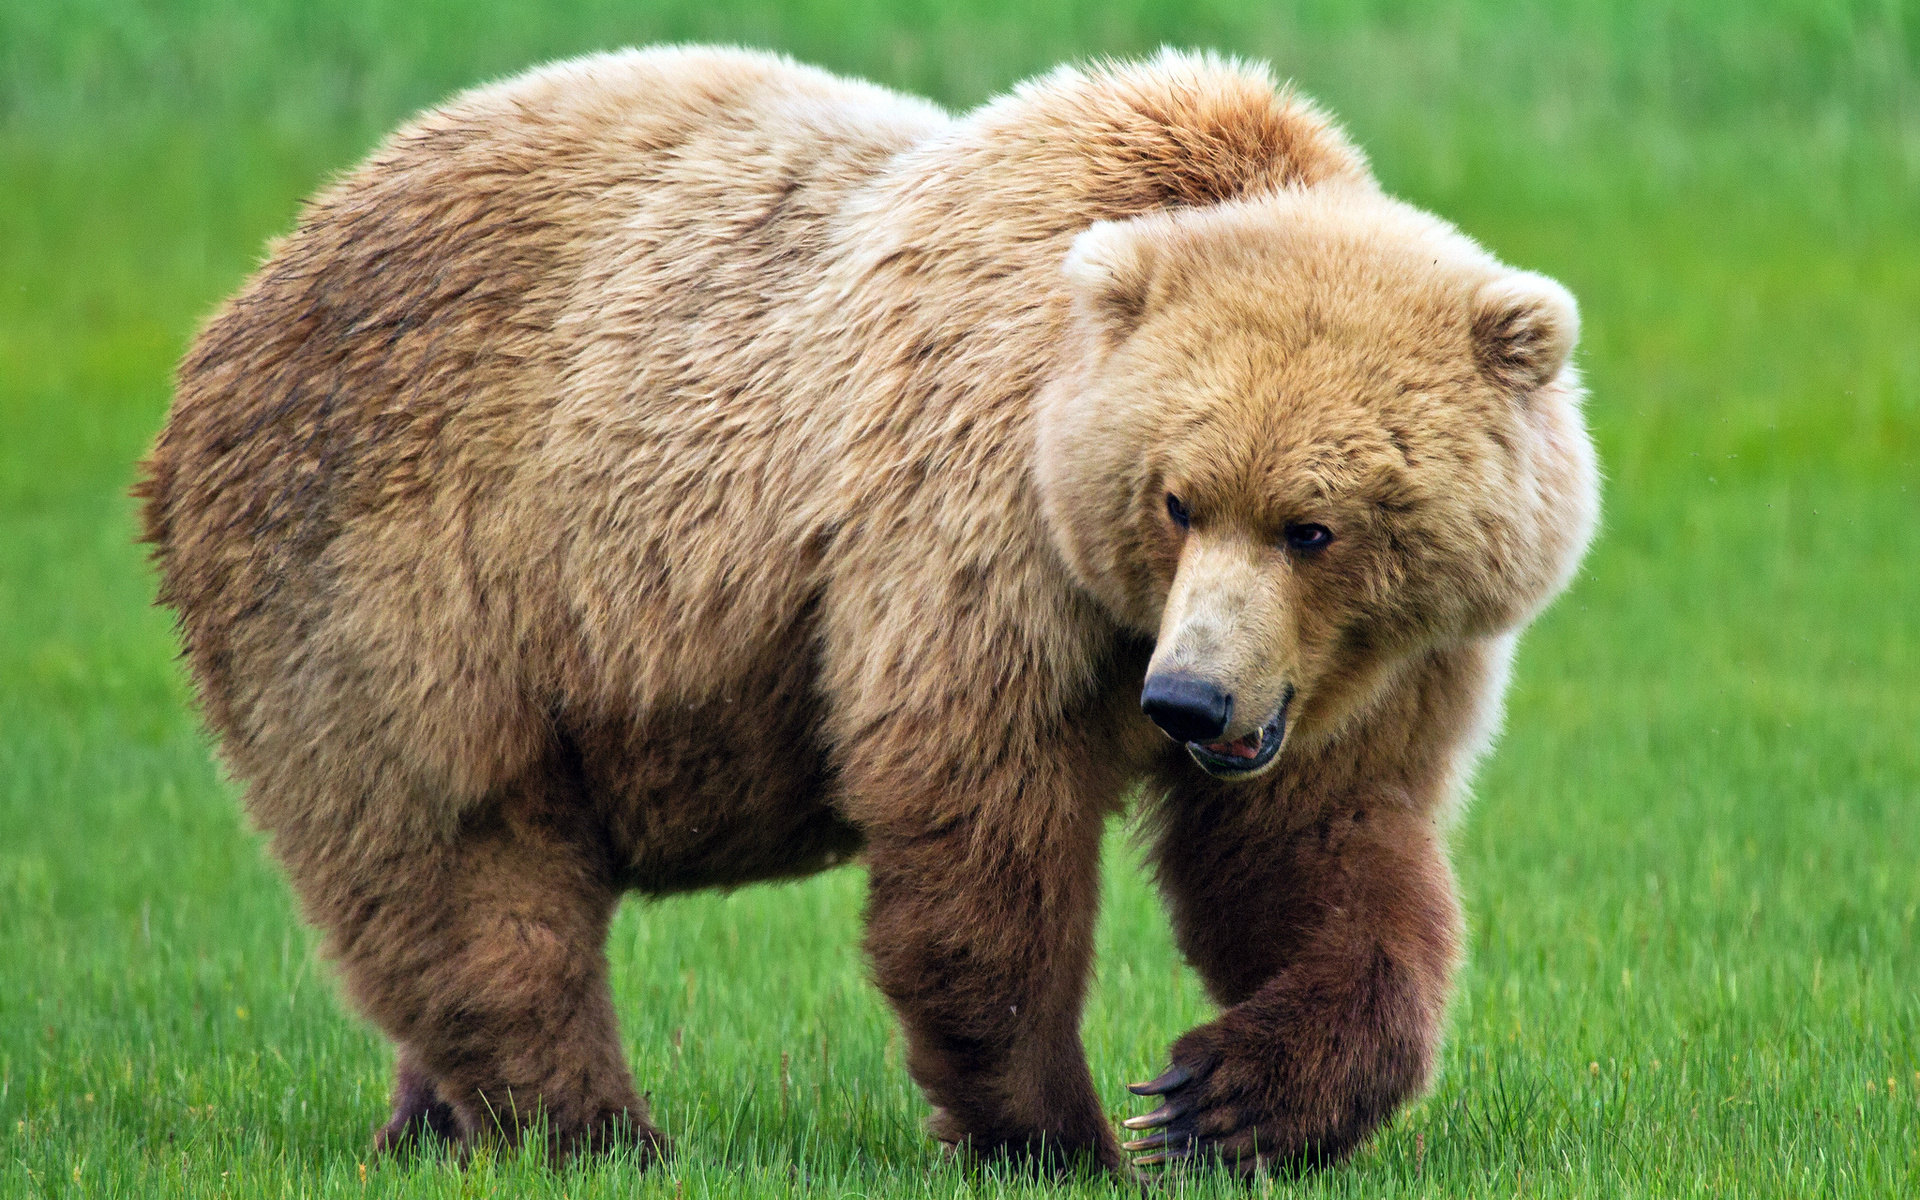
(1246,747)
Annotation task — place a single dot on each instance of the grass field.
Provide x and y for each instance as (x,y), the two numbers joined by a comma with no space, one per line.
(1690,867)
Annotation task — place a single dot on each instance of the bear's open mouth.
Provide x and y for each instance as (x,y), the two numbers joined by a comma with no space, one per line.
(1227,760)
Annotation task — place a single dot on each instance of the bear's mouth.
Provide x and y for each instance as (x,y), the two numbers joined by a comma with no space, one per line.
(1248,755)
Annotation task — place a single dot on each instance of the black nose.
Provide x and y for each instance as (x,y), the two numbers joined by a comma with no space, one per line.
(1188,708)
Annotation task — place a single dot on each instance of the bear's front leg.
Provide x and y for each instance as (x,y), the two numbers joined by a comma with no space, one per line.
(980,744)
(1329,940)
(981,936)
(418,1111)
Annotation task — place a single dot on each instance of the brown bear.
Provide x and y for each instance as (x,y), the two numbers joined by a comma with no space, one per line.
(679,468)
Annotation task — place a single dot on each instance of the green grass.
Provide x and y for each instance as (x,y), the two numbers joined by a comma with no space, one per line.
(1690,866)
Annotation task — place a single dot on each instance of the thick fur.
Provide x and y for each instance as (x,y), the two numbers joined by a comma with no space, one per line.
(679,468)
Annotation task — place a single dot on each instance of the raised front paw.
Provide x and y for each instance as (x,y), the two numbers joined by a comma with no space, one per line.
(1194,1123)
(1245,1105)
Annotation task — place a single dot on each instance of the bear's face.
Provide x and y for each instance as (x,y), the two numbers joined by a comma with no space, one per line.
(1304,438)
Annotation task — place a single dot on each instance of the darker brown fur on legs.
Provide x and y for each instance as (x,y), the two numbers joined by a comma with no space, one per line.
(984,885)
(488,967)
(984,951)
(1333,971)
(419,1114)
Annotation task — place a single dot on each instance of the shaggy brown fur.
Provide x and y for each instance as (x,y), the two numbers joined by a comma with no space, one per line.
(680,468)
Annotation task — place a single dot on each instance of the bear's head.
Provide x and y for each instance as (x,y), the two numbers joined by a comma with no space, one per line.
(1302,439)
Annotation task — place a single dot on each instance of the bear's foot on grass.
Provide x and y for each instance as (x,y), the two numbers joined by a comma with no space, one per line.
(622,1131)
(418,1112)
(421,1119)
(1036,1158)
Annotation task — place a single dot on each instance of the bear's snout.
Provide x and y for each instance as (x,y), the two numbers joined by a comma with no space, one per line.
(1187,707)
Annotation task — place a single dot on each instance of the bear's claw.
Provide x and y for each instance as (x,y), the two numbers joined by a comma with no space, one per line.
(1169,1079)
(1188,1126)
(1159,1116)
(1165,1158)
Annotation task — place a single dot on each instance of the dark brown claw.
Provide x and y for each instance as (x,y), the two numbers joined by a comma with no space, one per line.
(1153,1139)
(1166,1158)
(1173,1077)
(1191,1125)
(1159,1116)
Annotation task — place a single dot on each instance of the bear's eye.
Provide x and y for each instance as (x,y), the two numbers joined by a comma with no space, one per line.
(1308,537)
(1178,511)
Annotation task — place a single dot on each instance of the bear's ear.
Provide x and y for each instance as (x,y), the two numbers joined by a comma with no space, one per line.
(1111,270)
(1524,329)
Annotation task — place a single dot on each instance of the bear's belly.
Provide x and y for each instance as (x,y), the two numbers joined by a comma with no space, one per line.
(726,792)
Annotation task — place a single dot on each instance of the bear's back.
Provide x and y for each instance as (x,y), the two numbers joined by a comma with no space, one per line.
(339,502)
(413,323)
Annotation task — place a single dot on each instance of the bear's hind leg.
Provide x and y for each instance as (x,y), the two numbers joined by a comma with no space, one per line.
(487,964)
